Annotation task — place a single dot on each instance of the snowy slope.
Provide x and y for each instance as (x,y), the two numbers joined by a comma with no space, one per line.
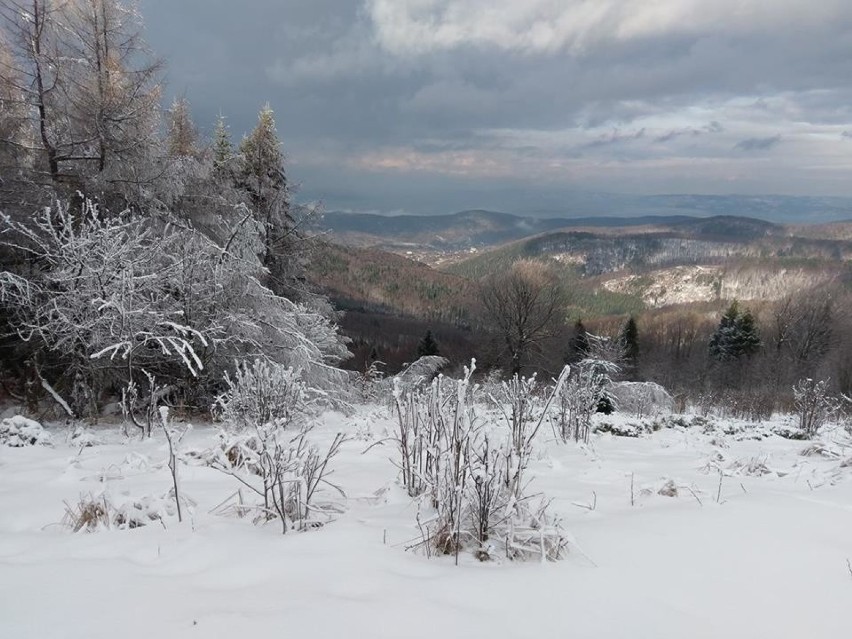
(768,560)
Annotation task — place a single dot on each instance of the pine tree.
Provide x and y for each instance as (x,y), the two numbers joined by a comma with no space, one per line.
(427,346)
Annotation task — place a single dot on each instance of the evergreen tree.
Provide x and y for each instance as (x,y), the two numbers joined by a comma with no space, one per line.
(182,136)
(223,149)
(736,336)
(578,347)
(427,346)
(261,175)
(748,337)
(629,341)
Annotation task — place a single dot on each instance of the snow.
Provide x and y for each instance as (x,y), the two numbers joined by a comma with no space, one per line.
(769,558)
(18,431)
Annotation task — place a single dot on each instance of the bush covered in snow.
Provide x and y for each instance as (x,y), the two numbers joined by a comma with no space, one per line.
(581,394)
(119,296)
(259,393)
(469,473)
(93,513)
(641,399)
(813,404)
(283,469)
(20,431)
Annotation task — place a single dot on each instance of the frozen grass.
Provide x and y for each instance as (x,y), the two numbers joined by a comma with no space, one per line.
(759,554)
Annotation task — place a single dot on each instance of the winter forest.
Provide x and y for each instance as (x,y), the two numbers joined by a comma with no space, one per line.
(176,393)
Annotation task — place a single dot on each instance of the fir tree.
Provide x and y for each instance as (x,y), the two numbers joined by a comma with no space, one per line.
(427,346)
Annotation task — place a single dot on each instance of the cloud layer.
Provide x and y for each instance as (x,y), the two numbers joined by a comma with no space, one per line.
(409,104)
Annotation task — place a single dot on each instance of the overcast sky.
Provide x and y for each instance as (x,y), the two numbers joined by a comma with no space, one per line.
(439,105)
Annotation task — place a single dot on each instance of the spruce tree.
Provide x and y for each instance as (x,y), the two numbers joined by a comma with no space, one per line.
(261,175)
(427,346)
(223,149)
(736,336)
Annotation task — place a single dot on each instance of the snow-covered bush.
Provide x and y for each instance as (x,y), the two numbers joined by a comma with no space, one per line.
(580,396)
(422,370)
(370,381)
(83,437)
(813,404)
(642,399)
(469,473)
(19,431)
(93,513)
(260,393)
(292,472)
(109,298)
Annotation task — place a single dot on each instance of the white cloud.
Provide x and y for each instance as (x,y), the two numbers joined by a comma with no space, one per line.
(549,26)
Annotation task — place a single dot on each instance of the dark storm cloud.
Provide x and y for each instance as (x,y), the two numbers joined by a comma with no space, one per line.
(421,92)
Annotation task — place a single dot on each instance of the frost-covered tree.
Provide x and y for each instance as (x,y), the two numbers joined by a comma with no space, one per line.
(182,135)
(92,94)
(262,176)
(104,300)
(813,404)
(223,148)
(13,114)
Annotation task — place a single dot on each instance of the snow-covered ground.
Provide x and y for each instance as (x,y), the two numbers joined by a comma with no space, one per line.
(764,556)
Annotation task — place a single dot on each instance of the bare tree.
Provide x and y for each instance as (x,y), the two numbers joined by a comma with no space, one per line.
(31,71)
(525,307)
(82,68)
(803,330)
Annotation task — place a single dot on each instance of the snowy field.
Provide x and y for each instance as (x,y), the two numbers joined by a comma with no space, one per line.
(763,555)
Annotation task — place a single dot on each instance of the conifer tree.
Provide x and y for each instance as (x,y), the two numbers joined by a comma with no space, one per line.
(223,148)
(427,346)
(262,176)
(182,136)
(736,336)
(629,341)
(578,347)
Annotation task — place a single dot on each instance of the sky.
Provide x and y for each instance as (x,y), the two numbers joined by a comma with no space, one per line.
(425,106)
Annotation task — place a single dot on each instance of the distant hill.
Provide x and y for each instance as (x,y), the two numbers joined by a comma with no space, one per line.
(385,283)
(463,230)
(613,265)
(399,276)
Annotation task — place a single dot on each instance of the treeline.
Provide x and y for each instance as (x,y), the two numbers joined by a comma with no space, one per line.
(740,359)
(137,258)
(749,359)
